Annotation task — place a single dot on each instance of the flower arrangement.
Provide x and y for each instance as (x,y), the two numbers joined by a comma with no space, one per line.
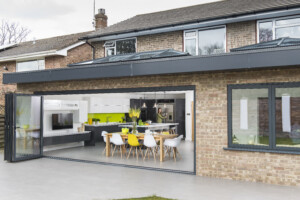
(134,114)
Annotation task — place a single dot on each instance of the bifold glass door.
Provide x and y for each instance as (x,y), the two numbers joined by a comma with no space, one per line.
(24,127)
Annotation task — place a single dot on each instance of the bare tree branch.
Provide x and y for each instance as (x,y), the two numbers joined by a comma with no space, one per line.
(12,32)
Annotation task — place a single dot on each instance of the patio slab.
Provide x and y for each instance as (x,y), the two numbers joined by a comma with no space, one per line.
(58,179)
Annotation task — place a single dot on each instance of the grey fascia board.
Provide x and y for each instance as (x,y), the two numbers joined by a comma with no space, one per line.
(201,24)
(229,61)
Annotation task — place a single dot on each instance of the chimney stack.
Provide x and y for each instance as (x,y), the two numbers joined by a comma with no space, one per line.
(100,19)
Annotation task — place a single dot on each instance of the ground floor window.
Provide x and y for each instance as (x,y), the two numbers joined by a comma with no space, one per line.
(264,116)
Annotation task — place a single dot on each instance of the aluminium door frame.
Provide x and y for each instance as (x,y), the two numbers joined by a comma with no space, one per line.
(10,143)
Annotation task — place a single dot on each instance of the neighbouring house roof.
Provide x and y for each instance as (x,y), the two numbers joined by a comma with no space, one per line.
(281,42)
(192,14)
(166,53)
(254,59)
(43,47)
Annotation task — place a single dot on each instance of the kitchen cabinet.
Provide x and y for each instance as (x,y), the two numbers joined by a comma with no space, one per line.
(148,113)
(109,105)
(61,105)
(81,115)
(179,116)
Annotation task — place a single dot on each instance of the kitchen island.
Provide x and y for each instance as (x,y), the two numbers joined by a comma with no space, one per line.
(96,131)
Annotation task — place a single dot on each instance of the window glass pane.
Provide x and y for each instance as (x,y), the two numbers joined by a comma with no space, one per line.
(190,46)
(110,51)
(125,46)
(28,130)
(287,21)
(30,65)
(265,31)
(190,34)
(250,116)
(293,32)
(288,117)
(211,41)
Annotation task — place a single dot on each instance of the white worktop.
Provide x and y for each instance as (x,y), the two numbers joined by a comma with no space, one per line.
(153,125)
(108,124)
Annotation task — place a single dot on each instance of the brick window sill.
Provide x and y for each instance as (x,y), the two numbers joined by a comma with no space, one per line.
(261,150)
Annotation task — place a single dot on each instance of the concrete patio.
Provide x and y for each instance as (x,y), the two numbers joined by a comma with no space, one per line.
(56,179)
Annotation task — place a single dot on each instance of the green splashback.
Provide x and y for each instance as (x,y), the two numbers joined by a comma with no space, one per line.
(115,117)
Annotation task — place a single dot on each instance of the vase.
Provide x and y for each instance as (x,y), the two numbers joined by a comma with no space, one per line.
(134,129)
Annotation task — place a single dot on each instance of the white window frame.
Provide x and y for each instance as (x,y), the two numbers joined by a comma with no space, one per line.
(115,47)
(197,36)
(274,26)
(37,59)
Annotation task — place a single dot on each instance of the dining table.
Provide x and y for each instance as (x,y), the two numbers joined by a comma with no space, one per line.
(140,136)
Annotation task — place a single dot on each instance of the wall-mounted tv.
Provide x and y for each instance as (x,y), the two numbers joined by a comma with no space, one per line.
(62,121)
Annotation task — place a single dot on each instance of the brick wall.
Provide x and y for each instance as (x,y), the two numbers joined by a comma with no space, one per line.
(237,35)
(172,40)
(240,34)
(211,121)
(78,54)
(11,66)
(99,49)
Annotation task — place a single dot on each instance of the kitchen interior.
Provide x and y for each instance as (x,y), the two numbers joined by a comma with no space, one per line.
(86,116)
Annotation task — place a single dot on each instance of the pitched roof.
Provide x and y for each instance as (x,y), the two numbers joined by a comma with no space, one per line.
(195,13)
(53,43)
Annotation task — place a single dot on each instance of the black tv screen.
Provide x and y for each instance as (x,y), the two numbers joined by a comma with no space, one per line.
(62,121)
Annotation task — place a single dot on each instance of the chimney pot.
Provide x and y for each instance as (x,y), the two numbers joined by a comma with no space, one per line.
(101,11)
(100,19)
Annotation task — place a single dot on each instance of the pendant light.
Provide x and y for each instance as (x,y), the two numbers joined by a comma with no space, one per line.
(155,104)
(144,104)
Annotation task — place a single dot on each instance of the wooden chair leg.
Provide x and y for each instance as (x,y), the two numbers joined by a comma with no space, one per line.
(104,150)
(154,154)
(141,151)
(129,152)
(174,153)
(146,153)
(114,151)
(177,153)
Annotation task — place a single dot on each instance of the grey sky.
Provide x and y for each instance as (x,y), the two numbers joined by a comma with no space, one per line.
(47,18)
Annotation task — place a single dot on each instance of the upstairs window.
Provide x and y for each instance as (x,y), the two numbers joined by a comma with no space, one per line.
(30,65)
(118,47)
(278,28)
(205,41)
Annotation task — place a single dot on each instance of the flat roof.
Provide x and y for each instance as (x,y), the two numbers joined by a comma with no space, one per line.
(255,59)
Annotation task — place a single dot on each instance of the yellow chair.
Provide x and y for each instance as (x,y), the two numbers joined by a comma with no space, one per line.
(134,143)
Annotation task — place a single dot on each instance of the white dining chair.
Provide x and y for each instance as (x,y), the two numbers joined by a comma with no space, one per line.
(151,145)
(117,140)
(172,146)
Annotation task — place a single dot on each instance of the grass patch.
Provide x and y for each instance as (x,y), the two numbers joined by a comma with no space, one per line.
(148,198)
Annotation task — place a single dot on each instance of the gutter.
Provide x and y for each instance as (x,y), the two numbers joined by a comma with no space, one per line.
(30,55)
(274,13)
(93,49)
(61,52)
